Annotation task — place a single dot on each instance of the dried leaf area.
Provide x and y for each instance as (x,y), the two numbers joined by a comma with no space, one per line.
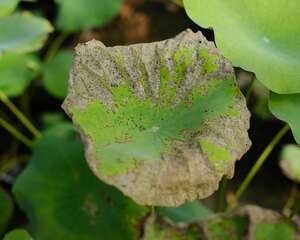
(162,121)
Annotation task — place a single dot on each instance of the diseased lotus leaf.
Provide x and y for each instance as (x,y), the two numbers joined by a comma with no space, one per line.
(162,121)
(290,161)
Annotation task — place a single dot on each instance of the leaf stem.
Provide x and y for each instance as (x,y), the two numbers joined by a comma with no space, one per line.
(264,155)
(16,133)
(221,200)
(287,209)
(23,119)
(57,42)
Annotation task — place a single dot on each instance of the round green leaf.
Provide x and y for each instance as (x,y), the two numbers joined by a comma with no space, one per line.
(6,209)
(22,33)
(286,107)
(56,74)
(153,117)
(64,200)
(16,72)
(290,162)
(7,7)
(85,13)
(188,212)
(259,36)
(18,234)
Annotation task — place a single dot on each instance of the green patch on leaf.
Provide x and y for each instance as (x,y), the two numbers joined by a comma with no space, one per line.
(286,108)
(210,60)
(259,37)
(140,131)
(64,200)
(85,14)
(17,71)
(56,74)
(217,155)
(23,32)
(18,234)
(6,209)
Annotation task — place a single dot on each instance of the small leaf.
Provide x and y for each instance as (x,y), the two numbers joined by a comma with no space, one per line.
(17,71)
(56,74)
(85,13)
(7,7)
(187,212)
(21,33)
(286,108)
(164,121)
(18,234)
(64,200)
(6,209)
(261,37)
(290,161)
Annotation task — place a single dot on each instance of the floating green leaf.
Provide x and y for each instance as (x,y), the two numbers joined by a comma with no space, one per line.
(187,212)
(7,7)
(286,107)
(262,37)
(162,121)
(18,234)
(17,71)
(56,74)
(85,13)
(22,33)
(290,161)
(64,200)
(6,209)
